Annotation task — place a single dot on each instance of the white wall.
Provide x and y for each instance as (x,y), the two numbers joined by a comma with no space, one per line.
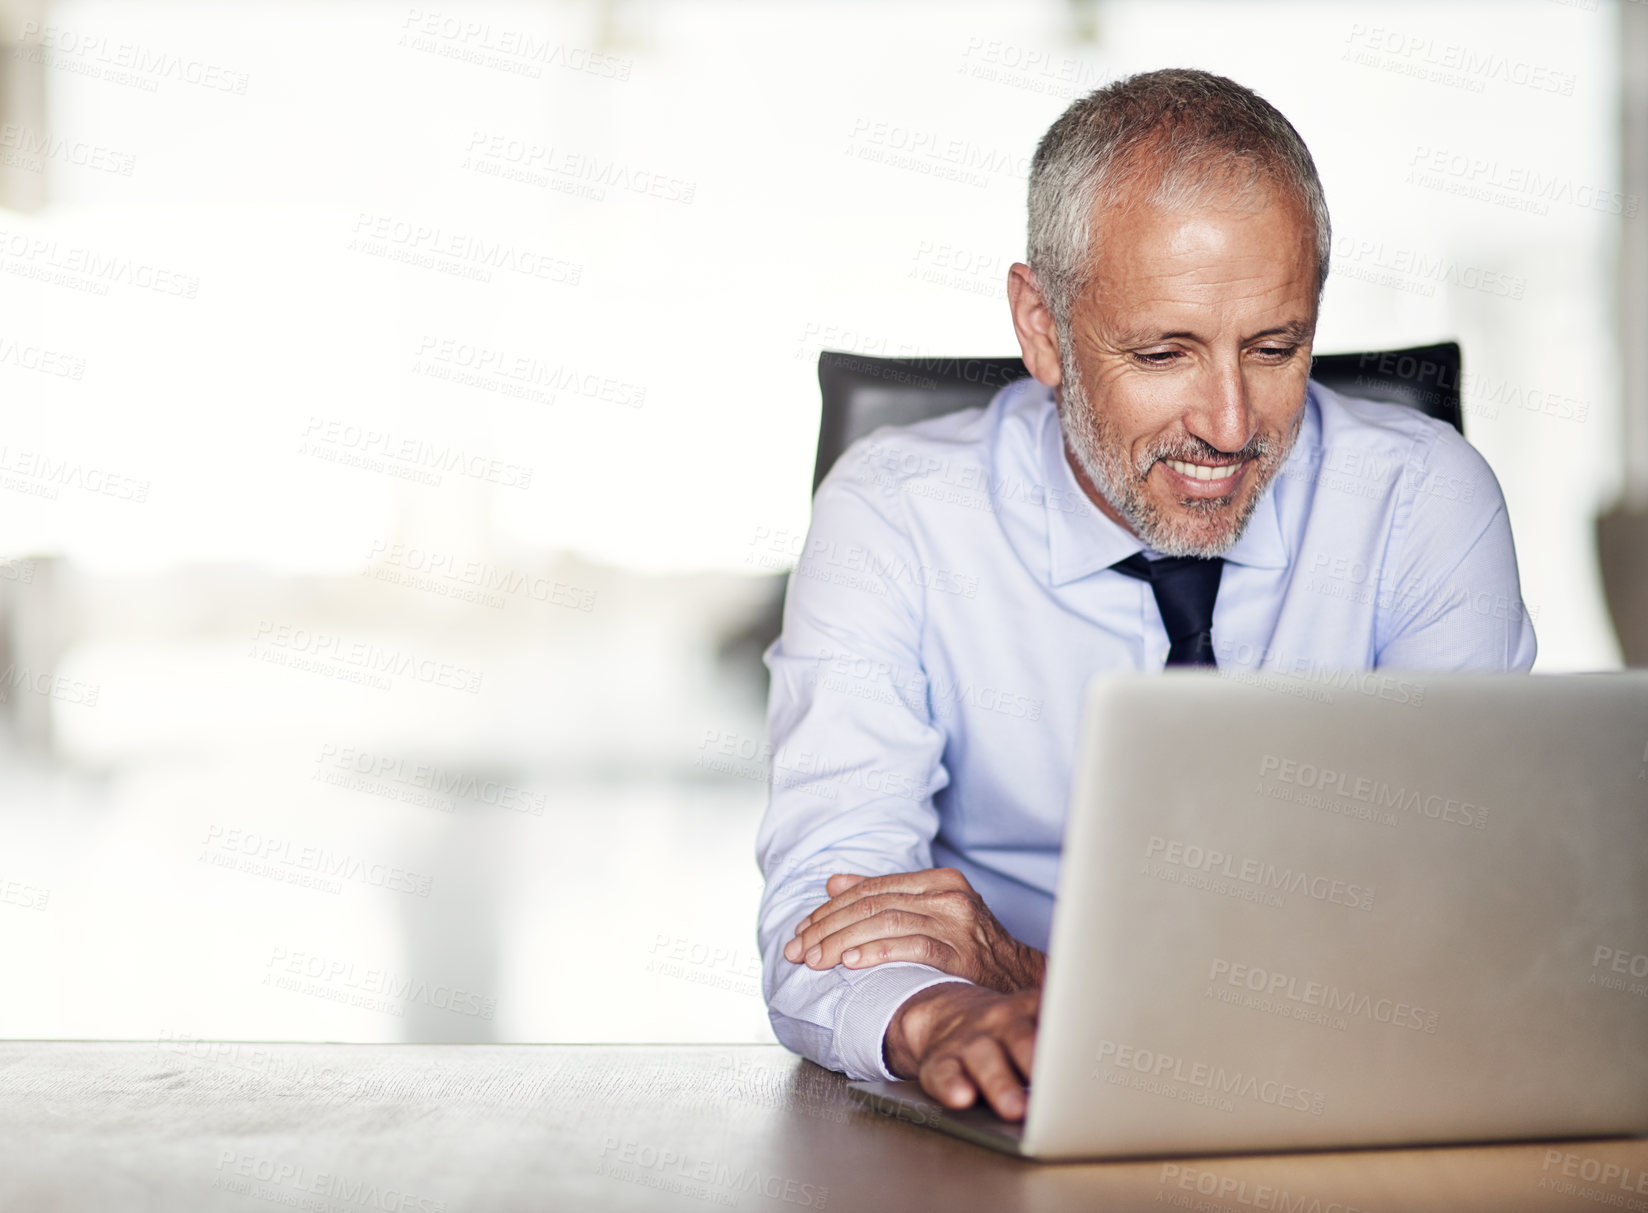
(198,343)
(773,231)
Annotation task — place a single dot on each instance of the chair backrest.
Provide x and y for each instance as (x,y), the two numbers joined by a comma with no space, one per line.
(862,393)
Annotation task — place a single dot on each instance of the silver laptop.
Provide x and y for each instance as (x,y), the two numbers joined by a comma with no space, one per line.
(1370,910)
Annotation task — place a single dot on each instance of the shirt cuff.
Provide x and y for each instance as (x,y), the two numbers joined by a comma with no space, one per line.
(868,1009)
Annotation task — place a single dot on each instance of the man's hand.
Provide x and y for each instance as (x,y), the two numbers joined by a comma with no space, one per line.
(962,1041)
(932,917)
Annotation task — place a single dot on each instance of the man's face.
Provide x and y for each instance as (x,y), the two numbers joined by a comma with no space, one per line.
(1183,374)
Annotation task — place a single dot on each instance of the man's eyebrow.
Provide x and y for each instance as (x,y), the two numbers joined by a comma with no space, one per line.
(1140,337)
(1298,330)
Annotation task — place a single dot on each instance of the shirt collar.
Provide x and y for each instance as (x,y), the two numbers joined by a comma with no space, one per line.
(1082,540)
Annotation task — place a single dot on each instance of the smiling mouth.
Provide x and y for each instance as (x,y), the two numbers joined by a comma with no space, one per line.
(1214,473)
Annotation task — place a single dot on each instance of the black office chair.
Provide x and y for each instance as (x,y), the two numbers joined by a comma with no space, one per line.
(862,393)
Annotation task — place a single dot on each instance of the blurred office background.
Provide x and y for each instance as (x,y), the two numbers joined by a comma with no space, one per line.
(408,418)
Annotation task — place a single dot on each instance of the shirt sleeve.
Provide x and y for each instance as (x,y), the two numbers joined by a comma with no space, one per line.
(856,758)
(1455,598)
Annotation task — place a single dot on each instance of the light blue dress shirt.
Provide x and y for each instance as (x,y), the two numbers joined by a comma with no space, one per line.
(954,596)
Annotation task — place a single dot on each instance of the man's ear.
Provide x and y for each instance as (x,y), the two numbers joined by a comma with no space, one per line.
(1033,322)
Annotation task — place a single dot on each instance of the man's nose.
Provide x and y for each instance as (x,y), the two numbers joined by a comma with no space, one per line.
(1223,415)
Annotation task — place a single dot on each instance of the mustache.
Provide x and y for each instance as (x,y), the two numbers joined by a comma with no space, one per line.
(1191,449)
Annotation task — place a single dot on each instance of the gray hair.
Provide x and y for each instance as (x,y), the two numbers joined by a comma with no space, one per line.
(1189,134)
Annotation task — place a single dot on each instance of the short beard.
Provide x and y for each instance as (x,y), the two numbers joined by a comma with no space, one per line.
(1213,524)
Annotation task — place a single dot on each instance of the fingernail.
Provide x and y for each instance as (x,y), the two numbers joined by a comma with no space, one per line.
(815,955)
(850,956)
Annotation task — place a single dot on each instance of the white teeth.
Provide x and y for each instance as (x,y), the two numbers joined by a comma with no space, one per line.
(1200,471)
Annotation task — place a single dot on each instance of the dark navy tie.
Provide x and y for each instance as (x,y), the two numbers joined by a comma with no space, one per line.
(1185,588)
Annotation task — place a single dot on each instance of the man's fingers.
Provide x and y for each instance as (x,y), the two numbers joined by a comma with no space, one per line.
(865,909)
(830,943)
(1020,1038)
(993,1073)
(918,949)
(924,881)
(841,882)
(945,1079)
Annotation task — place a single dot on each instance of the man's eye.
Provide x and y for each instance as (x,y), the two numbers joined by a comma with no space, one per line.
(1158,358)
(1276,353)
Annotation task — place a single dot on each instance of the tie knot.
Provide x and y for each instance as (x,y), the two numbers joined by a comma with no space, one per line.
(1185,589)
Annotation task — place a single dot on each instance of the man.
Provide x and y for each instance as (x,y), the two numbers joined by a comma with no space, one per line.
(1168,489)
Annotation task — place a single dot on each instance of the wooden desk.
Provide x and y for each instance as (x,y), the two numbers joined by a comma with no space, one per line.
(180,1126)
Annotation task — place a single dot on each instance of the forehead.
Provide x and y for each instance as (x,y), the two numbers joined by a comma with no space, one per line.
(1252,246)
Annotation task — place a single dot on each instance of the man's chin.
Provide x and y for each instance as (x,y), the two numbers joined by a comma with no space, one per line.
(1202,526)
(1202,545)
